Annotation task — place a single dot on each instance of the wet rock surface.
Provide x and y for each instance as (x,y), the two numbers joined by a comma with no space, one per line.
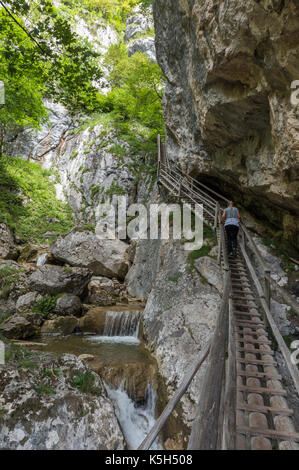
(60,326)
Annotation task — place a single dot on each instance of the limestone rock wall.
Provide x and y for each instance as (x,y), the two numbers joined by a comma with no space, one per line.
(230,121)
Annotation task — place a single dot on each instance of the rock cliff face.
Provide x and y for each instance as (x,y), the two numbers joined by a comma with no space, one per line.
(42,409)
(230,120)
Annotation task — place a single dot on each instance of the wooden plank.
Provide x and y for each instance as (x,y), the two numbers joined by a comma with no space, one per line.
(150,438)
(265,409)
(254,341)
(204,432)
(256,361)
(252,323)
(262,390)
(273,434)
(255,351)
(259,375)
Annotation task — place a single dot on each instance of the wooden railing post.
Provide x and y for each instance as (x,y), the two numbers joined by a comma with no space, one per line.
(217,210)
(159,156)
(267,287)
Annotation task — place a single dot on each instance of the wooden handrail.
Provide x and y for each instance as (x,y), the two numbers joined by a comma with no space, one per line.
(156,429)
(204,434)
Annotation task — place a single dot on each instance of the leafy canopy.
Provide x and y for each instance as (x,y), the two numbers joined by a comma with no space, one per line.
(40,56)
(137,87)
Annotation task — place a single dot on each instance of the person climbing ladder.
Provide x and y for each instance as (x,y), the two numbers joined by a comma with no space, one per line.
(231,219)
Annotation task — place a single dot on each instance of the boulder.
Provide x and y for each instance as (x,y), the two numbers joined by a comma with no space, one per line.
(27,301)
(210,270)
(17,327)
(35,318)
(101,291)
(69,304)
(60,326)
(8,249)
(84,249)
(40,412)
(93,321)
(54,280)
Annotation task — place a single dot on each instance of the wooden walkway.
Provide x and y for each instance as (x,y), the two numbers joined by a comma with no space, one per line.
(243,404)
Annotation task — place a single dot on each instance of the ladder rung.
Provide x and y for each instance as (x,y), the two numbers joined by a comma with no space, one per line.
(258,375)
(265,409)
(255,351)
(262,390)
(256,361)
(269,433)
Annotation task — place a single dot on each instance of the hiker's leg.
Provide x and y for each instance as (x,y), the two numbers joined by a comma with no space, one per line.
(235,237)
(228,229)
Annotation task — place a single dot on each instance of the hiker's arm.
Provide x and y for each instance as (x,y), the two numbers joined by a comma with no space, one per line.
(223,217)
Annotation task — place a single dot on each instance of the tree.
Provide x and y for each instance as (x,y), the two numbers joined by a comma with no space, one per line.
(137,87)
(42,57)
(24,88)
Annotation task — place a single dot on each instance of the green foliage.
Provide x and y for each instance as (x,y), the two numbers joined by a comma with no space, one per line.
(85,228)
(196,254)
(115,12)
(27,364)
(115,189)
(46,306)
(28,203)
(174,278)
(137,88)
(49,61)
(5,317)
(44,390)
(85,383)
(8,277)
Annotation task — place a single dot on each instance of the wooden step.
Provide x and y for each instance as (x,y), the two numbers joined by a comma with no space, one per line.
(261,390)
(265,409)
(254,341)
(255,351)
(273,434)
(256,361)
(258,375)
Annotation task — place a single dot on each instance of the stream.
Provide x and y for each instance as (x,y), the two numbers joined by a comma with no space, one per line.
(128,370)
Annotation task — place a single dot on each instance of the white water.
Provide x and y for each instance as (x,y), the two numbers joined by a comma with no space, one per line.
(122,324)
(135,421)
(114,339)
(42,259)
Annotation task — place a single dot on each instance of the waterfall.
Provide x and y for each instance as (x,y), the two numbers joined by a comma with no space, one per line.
(120,327)
(42,259)
(135,421)
(122,324)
